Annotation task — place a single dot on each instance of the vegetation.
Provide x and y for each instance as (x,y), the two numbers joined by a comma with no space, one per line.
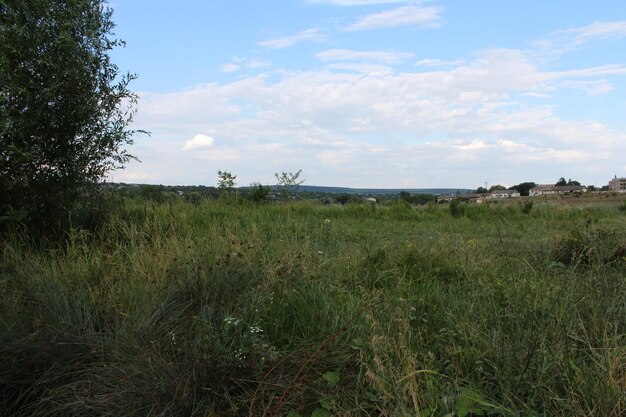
(225,181)
(288,182)
(230,308)
(562,181)
(524,188)
(258,193)
(64,109)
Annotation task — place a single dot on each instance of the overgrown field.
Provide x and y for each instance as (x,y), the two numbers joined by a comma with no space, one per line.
(303,309)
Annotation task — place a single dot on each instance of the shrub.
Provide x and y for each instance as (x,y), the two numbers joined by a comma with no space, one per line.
(258,193)
(65,109)
(457,208)
(590,244)
(527,207)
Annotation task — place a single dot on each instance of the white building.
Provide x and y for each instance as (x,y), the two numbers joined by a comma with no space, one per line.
(504,194)
(557,189)
(618,184)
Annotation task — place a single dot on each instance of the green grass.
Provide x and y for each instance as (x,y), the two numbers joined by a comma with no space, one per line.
(237,310)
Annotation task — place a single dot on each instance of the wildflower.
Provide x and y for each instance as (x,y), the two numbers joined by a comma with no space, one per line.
(239,354)
(327,221)
(255,329)
(232,321)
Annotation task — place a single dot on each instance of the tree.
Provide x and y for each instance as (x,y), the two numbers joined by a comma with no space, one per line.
(482,190)
(289,181)
(64,107)
(524,188)
(562,182)
(225,181)
(258,193)
(497,187)
(343,199)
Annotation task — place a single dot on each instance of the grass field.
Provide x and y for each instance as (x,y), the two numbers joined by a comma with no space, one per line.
(306,310)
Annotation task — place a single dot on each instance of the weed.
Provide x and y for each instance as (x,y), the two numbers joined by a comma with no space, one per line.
(457,208)
(526,207)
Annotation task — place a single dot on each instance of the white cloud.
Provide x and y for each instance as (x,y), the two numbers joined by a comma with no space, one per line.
(240,62)
(401,16)
(230,68)
(350,55)
(591,72)
(441,126)
(198,142)
(429,62)
(569,39)
(370,69)
(593,88)
(257,63)
(312,34)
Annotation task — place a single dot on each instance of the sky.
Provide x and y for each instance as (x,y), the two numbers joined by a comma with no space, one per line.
(376,93)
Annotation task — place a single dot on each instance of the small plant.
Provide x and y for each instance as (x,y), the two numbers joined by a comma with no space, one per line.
(527,207)
(590,244)
(258,193)
(457,208)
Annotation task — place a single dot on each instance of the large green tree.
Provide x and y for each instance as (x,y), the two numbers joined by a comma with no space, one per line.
(65,109)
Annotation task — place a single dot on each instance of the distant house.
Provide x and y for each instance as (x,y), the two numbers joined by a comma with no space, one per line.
(468,198)
(504,194)
(473,198)
(618,184)
(446,198)
(557,189)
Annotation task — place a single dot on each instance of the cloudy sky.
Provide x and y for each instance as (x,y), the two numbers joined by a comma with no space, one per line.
(376,93)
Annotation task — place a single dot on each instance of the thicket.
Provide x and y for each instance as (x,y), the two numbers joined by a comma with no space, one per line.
(64,111)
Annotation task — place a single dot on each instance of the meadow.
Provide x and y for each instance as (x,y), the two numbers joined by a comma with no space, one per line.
(303,309)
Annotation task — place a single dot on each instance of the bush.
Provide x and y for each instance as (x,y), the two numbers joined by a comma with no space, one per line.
(527,207)
(258,193)
(65,109)
(457,208)
(590,244)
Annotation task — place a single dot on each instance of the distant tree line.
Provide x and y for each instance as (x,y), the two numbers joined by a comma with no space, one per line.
(525,187)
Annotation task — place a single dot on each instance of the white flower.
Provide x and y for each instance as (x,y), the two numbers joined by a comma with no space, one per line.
(232,321)
(255,329)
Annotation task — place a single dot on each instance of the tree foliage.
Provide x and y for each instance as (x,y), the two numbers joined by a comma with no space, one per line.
(497,187)
(524,188)
(562,181)
(420,198)
(289,181)
(225,181)
(258,193)
(64,106)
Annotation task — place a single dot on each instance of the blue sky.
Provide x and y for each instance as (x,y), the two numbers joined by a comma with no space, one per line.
(376,93)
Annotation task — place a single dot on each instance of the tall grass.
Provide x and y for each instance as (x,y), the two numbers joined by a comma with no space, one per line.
(242,310)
